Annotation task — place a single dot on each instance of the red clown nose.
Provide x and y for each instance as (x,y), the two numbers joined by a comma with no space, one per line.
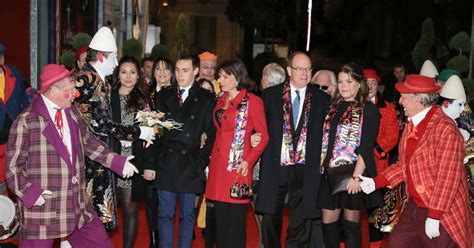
(76,94)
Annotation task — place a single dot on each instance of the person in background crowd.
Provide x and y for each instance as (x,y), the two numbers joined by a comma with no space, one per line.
(208,223)
(13,100)
(398,75)
(295,113)
(429,69)
(430,162)
(180,160)
(129,95)
(163,76)
(326,81)
(444,75)
(81,55)
(147,69)
(453,100)
(206,84)
(272,74)
(387,139)
(94,103)
(349,134)
(207,68)
(45,167)
(237,115)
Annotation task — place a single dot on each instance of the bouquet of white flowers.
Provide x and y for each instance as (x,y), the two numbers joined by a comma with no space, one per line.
(156,119)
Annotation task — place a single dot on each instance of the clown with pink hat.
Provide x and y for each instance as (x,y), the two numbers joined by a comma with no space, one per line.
(46,168)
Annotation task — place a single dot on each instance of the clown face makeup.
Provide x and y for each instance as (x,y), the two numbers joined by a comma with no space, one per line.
(453,109)
(107,64)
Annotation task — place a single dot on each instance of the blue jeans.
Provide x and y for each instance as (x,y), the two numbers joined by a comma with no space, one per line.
(166,213)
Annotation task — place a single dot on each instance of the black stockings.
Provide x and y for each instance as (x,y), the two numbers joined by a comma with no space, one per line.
(129,216)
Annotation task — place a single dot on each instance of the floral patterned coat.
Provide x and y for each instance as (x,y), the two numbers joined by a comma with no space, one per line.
(94,104)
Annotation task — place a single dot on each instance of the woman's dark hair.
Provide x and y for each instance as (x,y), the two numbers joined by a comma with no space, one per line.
(237,68)
(201,81)
(356,73)
(169,65)
(139,94)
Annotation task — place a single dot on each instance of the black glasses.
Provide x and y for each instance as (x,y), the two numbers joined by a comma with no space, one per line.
(323,87)
(301,70)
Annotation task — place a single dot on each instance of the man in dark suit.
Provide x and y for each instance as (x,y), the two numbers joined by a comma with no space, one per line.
(180,161)
(295,112)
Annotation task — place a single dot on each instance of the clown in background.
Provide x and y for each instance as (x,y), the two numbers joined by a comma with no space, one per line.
(454,106)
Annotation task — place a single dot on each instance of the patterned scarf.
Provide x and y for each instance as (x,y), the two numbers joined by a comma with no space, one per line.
(348,134)
(288,155)
(237,147)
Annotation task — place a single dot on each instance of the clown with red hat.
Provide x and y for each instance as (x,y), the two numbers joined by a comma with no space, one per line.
(430,163)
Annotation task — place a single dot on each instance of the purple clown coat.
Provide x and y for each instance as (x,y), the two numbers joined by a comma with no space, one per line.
(38,160)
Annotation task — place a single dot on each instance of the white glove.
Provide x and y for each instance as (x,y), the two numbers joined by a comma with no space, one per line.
(40,201)
(432,228)
(147,134)
(125,143)
(129,169)
(65,244)
(465,134)
(367,184)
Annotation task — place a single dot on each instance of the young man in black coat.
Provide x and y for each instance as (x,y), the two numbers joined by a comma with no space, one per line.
(297,175)
(179,160)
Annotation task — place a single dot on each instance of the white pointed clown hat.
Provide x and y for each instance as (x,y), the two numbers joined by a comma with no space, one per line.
(453,89)
(104,41)
(429,69)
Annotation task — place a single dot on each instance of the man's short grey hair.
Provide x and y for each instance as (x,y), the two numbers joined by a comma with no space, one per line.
(428,99)
(332,75)
(276,74)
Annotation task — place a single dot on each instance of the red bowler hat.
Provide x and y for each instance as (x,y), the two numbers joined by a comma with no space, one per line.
(51,74)
(369,73)
(417,84)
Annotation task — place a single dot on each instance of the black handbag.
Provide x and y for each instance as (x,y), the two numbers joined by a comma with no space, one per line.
(339,176)
(241,190)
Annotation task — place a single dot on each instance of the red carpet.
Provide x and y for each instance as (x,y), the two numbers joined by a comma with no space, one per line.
(143,236)
(252,231)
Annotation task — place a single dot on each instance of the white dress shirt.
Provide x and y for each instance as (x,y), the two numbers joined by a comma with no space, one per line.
(185,93)
(52,107)
(416,119)
(293,97)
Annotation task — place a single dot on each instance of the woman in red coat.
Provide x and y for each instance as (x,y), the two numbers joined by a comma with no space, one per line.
(238,114)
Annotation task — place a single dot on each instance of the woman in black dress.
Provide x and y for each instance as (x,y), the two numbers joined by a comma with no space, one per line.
(349,134)
(130,95)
